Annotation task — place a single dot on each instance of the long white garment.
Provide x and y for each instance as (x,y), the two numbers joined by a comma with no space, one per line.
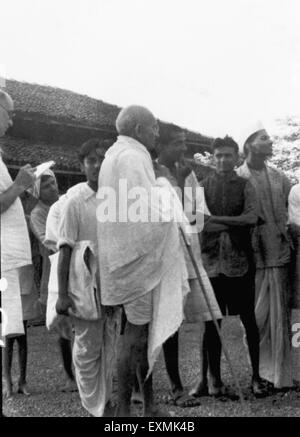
(15,253)
(12,321)
(168,299)
(137,257)
(94,347)
(94,356)
(169,296)
(130,251)
(15,243)
(294,205)
(96,333)
(272,257)
(275,361)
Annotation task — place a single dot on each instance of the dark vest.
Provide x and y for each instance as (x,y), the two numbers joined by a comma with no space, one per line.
(226,198)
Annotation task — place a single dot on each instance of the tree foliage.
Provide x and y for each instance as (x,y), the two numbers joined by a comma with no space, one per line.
(286,147)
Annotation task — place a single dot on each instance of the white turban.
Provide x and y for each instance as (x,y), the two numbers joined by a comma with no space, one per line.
(35,189)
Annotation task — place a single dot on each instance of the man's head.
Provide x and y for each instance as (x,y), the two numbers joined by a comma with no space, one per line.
(226,153)
(171,143)
(258,147)
(139,123)
(48,190)
(91,156)
(6,112)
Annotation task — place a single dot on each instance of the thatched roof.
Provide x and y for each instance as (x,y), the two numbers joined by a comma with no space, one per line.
(51,123)
(61,105)
(18,152)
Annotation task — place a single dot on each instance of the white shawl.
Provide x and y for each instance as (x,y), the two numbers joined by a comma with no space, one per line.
(131,252)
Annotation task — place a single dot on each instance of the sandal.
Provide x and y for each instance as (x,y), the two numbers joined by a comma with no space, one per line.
(223,393)
(260,390)
(185,400)
(266,384)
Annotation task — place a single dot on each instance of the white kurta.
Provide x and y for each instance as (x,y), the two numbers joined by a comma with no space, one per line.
(15,253)
(94,346)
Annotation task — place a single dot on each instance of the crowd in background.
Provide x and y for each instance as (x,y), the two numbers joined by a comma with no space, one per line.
(117,292)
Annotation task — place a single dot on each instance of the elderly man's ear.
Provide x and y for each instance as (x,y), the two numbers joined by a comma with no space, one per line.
(138,130)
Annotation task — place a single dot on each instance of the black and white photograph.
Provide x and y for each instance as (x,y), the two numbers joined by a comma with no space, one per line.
(150,211)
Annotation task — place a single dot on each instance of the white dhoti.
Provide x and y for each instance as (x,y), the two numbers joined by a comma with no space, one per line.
(11,303)
(273,323)
(94,355)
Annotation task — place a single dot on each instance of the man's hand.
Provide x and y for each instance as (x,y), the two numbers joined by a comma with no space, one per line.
(184,169)
(216,227)
(26,177)
(211,225)
(63,304)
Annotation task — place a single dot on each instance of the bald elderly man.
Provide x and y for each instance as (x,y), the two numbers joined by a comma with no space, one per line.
(15,254)
(142,266)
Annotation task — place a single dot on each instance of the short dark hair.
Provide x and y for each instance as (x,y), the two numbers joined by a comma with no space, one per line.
(225,142)
(89,146)
(167,131)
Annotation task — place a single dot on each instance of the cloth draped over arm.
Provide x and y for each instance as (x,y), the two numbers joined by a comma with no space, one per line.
(140,256)
(131,250)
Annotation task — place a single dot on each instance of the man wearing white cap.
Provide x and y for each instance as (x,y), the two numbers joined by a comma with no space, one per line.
(271,246)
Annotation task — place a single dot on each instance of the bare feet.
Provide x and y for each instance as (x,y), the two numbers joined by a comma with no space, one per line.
(22,389)
(183,399)
(70,386)
(137,397)
(109,410)
(155,411)
(123,411)
(260,389)
(201,389)
(7,390)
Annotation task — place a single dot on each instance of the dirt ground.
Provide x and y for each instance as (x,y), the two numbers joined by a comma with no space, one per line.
(45,379)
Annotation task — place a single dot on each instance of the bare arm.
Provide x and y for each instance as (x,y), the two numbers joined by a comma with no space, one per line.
(24,180)
(67,236)
(210,226)
(8,197)
(63,269)
(64,302)
(240,220)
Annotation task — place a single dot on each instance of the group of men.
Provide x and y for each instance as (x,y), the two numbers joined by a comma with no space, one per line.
(124,284)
